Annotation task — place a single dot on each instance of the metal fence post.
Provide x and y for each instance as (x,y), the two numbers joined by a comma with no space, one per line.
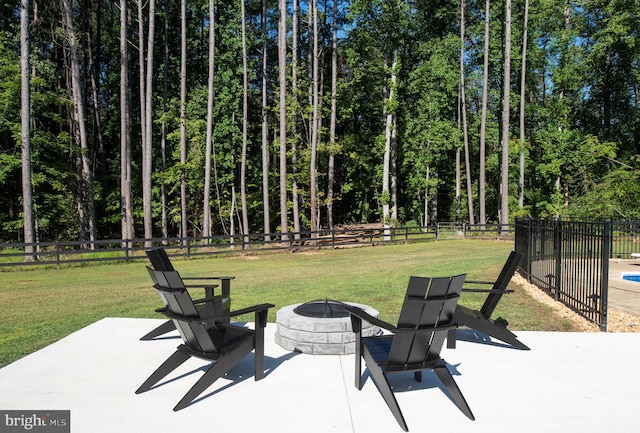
(522,235)
(604,276)
(529,249)
(557,231)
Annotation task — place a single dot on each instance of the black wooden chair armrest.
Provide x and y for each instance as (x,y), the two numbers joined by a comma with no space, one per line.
(252,309)
(472,290)
(478,282)
(488,290)
(201,286)
(363,315)
(209,278)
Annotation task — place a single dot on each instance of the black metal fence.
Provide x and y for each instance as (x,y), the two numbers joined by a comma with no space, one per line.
(625,238)
(570,261)
(83,252)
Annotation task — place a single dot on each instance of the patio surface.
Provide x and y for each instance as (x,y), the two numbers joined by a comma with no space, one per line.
(582,382)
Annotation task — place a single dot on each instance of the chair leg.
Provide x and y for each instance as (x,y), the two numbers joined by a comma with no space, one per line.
(259,353)
(167,326)
(451,339)
(452,387)
(216,371)
(358,372)
(356,324)
(383,386)
(173,362)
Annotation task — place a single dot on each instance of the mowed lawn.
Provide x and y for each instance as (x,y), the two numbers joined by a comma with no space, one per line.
(39,306)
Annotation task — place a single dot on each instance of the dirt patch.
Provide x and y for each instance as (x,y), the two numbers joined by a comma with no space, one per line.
(617,321)
(250,257)
(621,321)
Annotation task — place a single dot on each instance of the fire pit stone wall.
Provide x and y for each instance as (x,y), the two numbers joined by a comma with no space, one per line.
(319,335)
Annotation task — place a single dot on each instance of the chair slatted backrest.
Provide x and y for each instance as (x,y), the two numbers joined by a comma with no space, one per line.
(159,259)
(499,287)
(429,302)
(177,300)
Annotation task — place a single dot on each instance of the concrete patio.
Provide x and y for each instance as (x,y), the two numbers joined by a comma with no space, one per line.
(583,382)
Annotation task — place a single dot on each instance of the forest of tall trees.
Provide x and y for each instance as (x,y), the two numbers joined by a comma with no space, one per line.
(124,119)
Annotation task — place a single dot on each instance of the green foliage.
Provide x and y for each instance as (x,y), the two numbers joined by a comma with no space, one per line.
(8,163)
(431,133)
(616,196)
(581,116)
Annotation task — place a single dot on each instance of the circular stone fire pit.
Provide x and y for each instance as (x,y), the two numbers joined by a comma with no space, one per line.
(320,327)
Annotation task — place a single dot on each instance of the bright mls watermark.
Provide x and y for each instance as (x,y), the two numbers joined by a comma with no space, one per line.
(56,421)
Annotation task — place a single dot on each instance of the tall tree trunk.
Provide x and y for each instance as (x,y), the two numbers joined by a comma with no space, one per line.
(25,108)
(310,4)
(206,201)
(146,76)
(98,142)
(504,184)
(430,200)
(463,107)
(314,127)
(142,93)
(245,120)
(386,164)
(425,221)
(393,166)
(320,90)
(148,222)
(333,120)
(232,216)
(387,156)
(458,196)
(282,79)
(86,183)
(163,138)
(125,131)
(483,121)
(265,130)
(523,75)
(183,121)
(458,181)
(294,122)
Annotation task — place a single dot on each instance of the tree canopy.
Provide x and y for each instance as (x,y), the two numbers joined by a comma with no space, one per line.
(397,77)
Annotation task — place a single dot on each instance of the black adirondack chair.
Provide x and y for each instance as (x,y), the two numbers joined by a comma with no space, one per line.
(415,343)
(481,320)
(161,262)
(207,338)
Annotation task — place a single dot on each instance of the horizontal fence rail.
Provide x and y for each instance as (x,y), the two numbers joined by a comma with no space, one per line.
(570,261)
(81,252)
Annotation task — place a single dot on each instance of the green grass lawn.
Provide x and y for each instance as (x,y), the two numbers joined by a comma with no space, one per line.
(40,306)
